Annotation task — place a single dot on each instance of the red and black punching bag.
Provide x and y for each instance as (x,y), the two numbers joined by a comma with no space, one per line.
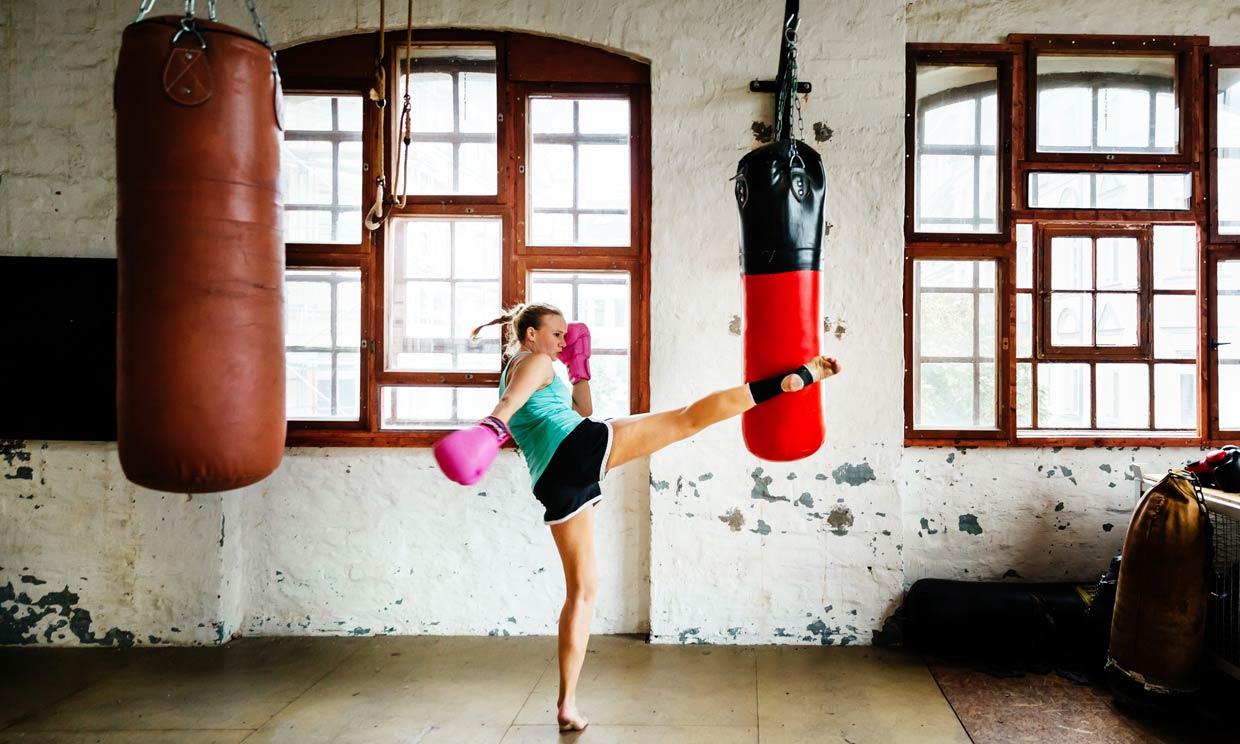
(200,317)
(779,190)
(780,193)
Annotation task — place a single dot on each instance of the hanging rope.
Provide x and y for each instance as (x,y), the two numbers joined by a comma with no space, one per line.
(406,113)
(378,94)
(382,207)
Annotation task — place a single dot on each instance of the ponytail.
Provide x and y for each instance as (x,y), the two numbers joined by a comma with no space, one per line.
(517,321)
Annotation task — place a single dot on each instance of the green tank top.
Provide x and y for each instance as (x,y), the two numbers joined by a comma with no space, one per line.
(543,422)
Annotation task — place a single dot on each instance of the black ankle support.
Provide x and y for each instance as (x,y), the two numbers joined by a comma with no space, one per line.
(764,390)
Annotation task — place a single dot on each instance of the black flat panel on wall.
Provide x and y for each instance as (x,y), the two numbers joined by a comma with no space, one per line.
(58,363)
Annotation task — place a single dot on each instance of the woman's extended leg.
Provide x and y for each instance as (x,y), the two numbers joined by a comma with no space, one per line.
(575,541)
(641,435)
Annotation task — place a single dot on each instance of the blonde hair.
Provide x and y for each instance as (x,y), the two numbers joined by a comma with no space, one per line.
(517,320)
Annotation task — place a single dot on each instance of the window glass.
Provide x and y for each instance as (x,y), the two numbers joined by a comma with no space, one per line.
(321,169)
(1228,143)
(442,281)
(1107,104)
(413,407)
(1076,190)
(322,341)
(1227,308)
(578,190)
(954,333)
(453,118)
(956,169)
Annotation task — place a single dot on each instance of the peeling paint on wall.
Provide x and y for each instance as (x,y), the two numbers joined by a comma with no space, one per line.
(840,519)
(734,325)
(968,523)
(853,475)
(22,619)
(761,488)
(763,528)
(734,520)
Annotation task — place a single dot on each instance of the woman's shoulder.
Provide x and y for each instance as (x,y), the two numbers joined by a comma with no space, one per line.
(531,363)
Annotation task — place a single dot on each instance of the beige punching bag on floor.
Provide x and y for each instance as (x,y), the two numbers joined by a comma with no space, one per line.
(200,329)
(1158,627)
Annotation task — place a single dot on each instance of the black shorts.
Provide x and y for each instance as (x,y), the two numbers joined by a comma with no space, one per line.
(571,481)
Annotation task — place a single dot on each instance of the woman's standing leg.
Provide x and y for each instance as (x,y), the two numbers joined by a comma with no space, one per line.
(575,541)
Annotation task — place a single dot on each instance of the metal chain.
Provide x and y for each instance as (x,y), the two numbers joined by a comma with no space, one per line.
(258,24)
(790,89)
(146,5)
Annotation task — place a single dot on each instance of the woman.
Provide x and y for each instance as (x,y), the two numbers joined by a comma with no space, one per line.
(568,454)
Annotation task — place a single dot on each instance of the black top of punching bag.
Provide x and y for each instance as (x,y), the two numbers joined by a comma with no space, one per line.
(780,190)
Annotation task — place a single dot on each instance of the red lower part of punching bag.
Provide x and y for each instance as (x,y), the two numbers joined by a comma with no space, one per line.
(200,328)
(781,335)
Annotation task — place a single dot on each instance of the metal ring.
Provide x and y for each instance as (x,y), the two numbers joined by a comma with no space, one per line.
(187,24)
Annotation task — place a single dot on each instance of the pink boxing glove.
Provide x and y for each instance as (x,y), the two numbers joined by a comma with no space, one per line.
(576,354)
(465,455)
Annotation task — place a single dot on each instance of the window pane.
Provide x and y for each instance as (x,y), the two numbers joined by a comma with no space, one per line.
(1228,142)
(954,345)
(1170,191)
(602,300)
(1229,396)
(957,168)
(1175,257)
(1123,396)
(1024,325)
(453,118)
(1072,317)
(1107,104)
(1024,256)
(1072,263)
(1175,327)
(321,169)
(323,353)
(413,407)
(1024,395)
(442,281)
(308,113)
(1117,263)
(1228,310)
(1063,396)
(578,175)
(1117,320)
(1175,397)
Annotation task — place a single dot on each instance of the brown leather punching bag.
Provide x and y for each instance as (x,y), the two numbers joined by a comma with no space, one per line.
(200,330)
(1158,627)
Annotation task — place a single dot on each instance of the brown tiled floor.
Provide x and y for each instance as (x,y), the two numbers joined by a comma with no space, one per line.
(502,691)
(468,690)
(1046,708)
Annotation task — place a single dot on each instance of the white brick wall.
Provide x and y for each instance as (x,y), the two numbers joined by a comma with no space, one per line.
(696,546)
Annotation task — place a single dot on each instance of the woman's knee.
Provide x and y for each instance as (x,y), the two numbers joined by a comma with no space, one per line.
(583,591)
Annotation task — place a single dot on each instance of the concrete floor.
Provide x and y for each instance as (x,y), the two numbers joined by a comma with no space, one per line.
(468,690)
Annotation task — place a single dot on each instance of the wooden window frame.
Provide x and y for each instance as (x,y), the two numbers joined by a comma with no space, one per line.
(1043,349)
(1195,85)
(1188,54)
(1000,56)
(524,63)
(1005,323)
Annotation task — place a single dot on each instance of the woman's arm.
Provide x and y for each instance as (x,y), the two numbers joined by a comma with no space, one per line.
(583,403)
(528,377)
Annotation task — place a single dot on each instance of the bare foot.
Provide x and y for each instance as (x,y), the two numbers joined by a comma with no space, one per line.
(820,368)
(570,720)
